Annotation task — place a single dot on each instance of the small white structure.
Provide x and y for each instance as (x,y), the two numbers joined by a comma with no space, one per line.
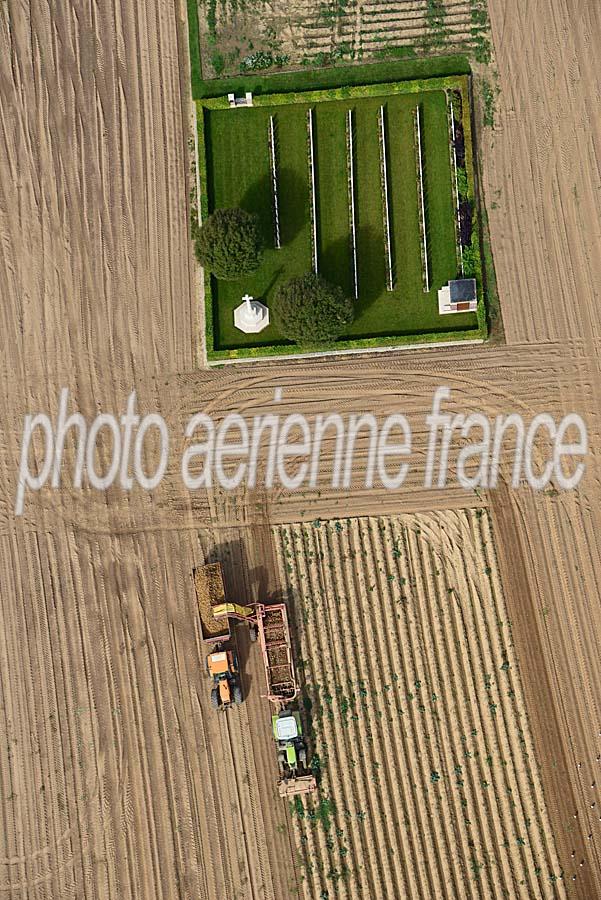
(234,101)
(251,316)
(458,296)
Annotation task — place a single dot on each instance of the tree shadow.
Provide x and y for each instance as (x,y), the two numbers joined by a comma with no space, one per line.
(257,200)
(293,205)
(335,263)
(267,291)
(293,194)
(371,259)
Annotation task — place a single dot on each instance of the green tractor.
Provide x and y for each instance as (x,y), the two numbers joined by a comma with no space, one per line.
(295,778)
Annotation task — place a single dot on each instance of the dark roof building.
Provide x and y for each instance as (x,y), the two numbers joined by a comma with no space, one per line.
(459,295)
(463,290)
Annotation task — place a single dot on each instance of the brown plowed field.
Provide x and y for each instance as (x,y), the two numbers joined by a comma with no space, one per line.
(116,779)
(413,689)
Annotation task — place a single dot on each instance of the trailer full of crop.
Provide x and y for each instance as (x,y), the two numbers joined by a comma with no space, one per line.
(274,638)
(210,593)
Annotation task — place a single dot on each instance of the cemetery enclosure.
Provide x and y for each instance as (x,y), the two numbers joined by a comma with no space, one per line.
(336,180)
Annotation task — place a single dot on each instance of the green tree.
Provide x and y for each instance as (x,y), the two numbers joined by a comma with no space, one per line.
(309,309)
(229,243)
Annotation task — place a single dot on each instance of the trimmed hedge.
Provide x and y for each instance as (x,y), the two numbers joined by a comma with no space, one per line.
(347,92)
(194,44)
(366,344)
(323,78)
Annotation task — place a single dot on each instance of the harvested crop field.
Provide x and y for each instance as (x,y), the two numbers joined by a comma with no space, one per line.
(430,786)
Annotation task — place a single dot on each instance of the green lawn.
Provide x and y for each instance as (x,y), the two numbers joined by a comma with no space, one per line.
(438,191)
(237,173)
(333,243)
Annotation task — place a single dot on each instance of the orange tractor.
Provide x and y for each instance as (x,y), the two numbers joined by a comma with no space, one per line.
(221,662)
(222,666)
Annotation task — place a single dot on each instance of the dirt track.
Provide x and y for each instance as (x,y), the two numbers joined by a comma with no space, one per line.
(116,778)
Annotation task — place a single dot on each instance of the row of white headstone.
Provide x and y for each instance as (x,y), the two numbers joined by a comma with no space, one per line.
(422,204)
(385,197)
(313,197)
(455,179)
(274,183)
(350,161)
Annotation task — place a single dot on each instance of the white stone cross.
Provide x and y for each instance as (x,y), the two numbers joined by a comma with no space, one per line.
(251,316)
